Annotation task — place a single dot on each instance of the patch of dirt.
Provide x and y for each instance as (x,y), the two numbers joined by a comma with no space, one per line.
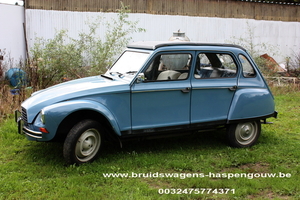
(268,195)
(259,167)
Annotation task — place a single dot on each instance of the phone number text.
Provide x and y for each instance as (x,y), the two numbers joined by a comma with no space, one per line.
(196,191)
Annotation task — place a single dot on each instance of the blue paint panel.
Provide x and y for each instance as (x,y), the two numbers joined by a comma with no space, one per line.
(251,103)
(90,87)
(211,99)
(160,104)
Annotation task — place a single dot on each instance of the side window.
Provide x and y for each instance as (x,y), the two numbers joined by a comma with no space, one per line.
(248,70)
(215,65)
(166,67)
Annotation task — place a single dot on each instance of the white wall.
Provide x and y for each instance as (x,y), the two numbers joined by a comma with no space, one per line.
(284,35)
(11,31)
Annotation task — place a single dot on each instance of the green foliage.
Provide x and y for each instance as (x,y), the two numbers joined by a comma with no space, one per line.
(254,49)
(63,58)
(32,170)
(54,59)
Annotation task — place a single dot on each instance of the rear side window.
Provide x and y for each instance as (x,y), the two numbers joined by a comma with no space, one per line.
(248,70)
(215,65)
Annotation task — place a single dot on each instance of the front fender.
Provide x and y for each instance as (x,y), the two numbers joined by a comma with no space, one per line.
(251,103)
(56,113)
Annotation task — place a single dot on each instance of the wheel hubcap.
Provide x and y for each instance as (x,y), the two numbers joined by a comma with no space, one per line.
(88,145)
(246,132)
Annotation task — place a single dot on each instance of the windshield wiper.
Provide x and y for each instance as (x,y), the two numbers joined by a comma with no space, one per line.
(119,74)
(104,76)
(131,72)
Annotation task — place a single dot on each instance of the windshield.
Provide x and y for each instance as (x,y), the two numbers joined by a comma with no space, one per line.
(130,62)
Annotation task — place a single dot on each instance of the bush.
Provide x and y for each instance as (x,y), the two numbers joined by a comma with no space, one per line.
(64,58)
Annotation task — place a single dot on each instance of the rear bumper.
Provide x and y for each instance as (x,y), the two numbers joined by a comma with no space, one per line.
(275,114)
(264,118)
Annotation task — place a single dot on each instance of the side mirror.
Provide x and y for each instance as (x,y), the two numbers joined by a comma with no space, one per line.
(140,78)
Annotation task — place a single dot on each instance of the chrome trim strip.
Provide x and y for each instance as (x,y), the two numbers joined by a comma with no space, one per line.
(31,131)
(211,88)
(164,90)
(200,88)
(34,136)
(238,87)
(244,87)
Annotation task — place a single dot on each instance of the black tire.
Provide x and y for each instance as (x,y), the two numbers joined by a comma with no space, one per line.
(243,134)
(83,142)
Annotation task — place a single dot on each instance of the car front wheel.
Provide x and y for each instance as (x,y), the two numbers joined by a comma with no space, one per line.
(244,134)
(83,142)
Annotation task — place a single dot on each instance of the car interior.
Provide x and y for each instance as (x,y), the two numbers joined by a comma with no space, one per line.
(176,67)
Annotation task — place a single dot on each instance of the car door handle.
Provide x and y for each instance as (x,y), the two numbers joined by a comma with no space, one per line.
(233,88)
(186,90)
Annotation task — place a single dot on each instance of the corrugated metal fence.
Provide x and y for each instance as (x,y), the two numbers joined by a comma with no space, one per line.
(250,9)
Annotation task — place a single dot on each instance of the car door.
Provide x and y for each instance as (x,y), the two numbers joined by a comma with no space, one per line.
(213,86)
(162,101)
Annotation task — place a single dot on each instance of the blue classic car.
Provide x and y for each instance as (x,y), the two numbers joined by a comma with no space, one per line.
(153,89)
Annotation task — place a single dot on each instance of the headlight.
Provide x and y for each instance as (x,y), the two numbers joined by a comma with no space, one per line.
(43,116)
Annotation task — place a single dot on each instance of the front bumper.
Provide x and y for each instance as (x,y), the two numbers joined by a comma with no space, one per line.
(24,128)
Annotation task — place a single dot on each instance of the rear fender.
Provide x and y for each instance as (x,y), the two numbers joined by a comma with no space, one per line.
(251,103)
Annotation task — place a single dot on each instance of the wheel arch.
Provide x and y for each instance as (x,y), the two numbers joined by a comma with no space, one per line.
(69,121)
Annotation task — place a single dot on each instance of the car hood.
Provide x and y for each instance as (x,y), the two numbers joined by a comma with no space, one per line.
(83,88)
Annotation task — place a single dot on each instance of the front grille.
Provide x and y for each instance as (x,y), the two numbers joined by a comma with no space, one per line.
(24,115)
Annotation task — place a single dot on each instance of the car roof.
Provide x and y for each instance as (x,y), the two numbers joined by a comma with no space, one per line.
(152,45)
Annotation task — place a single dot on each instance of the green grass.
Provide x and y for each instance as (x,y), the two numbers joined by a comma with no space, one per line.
(32,170)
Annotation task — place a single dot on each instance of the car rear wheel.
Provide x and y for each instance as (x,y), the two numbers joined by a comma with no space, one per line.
(83,142)
(244,134)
